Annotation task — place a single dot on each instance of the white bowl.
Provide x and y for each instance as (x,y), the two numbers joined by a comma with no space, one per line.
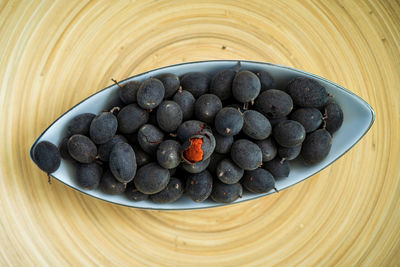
(358,118)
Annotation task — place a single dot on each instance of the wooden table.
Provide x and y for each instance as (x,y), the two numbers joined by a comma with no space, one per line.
(55,53)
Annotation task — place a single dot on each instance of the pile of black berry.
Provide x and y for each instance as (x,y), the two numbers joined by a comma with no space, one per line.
(207,138)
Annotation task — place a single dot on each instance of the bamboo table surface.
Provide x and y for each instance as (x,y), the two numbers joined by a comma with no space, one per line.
(53,54)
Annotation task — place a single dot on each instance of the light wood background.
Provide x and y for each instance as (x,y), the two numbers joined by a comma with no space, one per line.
(55,53)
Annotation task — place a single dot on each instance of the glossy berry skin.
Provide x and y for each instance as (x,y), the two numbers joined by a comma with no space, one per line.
(171,83)
(190,128)
(47,156)
(122,162)
(268,149)
(131,118)
(196,83)
(104,150)
(223,143)
(228,121)
(334,117)
(169,154)
(169,194)
(199,186)
(289,153)
(103,128)
(89,175)
(228,172)
(258,181)
(246,154)
(133,194)
(142,158)
(151,178)
(214,160)
(307,92)
(267,82)
(80,124)
(278,168)
(256,125)
(206,107)
(221,84)
(276,121)
(226,193)
(310,118)
(169,116)
(246,86)
(150,94)
(110,185)
(316,146)
(149,138)
(195,167)
(274,103)
(82,149)
(186,101)
(128,92)
(289,133)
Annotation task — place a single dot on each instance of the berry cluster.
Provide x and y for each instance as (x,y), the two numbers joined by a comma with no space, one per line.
(207,137)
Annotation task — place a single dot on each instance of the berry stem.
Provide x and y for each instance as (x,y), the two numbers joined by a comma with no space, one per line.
(115,109)
(116,82)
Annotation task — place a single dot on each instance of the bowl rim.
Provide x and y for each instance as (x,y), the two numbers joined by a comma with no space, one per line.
(256,196)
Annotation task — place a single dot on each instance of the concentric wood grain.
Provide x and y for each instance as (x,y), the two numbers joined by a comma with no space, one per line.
(55,53)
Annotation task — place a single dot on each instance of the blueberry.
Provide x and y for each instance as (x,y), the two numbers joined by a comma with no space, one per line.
(214,160)
(334,117)
(307,92)
(196,83)
(258,181)
(190,128)
(228,121)
(221,84)
(150,94)
(103,128)
(149,138)
(278,168)
(89,175)
(223,143)
(110,185)
(316,146)
(199,186)
(186,101)
(289,133)
(171,193)
(289,153)
(47,156)
(171,83)
(274,103)
(63,148)
(128,92)
(206,107)
(122,162)
(310,118)
(131,118)
(169,154)
(245,86)
(80,124)
(267,82)
(82,149)
(246,154)
(226,193)
(151,178)
(196,167)
(169,116)
(133,194)
(268,149)
(104,150)
(256,125)
(142,158)
(228,172)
